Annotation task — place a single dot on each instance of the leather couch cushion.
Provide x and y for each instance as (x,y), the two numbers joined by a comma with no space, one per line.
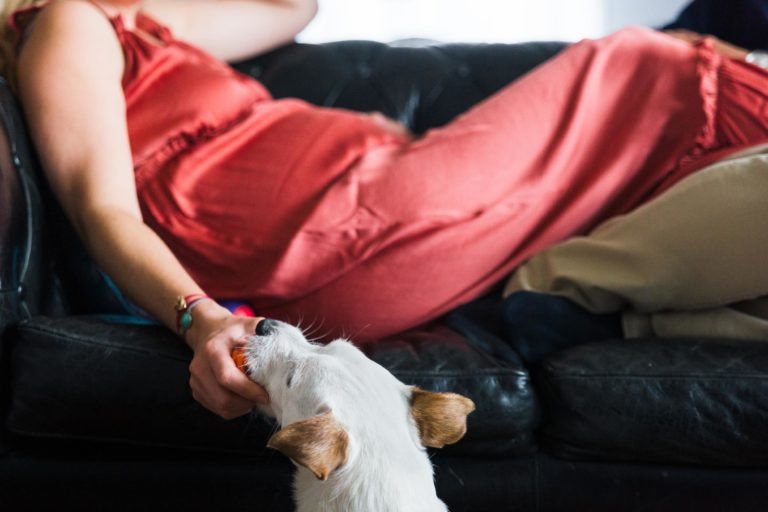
(685,401)
(90,379)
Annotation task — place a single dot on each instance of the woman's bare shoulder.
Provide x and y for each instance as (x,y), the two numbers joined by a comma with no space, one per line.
(70,30)
(72,18)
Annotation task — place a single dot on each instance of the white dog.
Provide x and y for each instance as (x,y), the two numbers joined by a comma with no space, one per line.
(356,433)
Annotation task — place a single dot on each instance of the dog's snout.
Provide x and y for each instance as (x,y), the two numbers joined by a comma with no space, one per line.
(266,327)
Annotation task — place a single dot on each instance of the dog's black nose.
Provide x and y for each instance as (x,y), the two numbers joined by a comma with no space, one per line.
(266,327)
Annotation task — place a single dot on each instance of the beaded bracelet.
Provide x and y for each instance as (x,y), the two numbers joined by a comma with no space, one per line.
(184,306)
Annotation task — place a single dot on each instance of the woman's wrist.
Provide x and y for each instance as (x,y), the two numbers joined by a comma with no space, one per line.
(206,318)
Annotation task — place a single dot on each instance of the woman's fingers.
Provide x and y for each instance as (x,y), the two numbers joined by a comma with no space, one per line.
(214,397)
(388,124)
(231,378)
(215,380)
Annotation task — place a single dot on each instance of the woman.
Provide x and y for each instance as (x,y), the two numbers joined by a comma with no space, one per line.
(184,178)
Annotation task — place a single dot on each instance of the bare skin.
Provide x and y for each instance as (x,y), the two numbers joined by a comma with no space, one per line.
(723,47)
(70,70)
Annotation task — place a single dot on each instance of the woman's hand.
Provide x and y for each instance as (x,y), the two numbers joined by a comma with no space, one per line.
(234,30)
(215,380)
(388,124)
(722,47)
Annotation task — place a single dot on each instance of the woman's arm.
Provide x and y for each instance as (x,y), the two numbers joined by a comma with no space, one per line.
(234,29)
(723,47)
(70,71)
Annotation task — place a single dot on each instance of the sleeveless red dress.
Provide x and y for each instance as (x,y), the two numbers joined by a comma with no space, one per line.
(321,216)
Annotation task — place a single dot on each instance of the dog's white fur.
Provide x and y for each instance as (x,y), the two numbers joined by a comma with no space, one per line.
(348,425)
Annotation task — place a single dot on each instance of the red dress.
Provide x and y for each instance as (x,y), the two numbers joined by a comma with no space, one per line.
(321,216)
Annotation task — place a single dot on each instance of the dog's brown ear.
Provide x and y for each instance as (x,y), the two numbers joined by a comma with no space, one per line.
(440,417)
(319,444)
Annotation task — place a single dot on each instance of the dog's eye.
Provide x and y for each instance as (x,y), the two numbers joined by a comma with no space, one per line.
(289,377)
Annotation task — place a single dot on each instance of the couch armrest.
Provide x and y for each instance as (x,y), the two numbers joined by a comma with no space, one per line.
(18,225)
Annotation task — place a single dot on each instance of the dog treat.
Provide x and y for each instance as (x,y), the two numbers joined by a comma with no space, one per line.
(238,355)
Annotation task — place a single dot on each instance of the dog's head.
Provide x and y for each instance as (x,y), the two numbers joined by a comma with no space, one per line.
(336,405)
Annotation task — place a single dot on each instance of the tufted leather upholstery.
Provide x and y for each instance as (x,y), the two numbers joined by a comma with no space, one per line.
(688,401)
(96,409)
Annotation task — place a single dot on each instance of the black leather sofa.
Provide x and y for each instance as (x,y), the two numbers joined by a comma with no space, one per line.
(96,412)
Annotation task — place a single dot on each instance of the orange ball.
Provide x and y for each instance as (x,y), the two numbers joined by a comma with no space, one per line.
(238,355)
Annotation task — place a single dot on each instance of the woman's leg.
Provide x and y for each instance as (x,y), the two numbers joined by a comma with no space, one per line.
(588,135)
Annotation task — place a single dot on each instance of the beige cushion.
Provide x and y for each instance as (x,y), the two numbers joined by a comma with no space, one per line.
(693,261)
